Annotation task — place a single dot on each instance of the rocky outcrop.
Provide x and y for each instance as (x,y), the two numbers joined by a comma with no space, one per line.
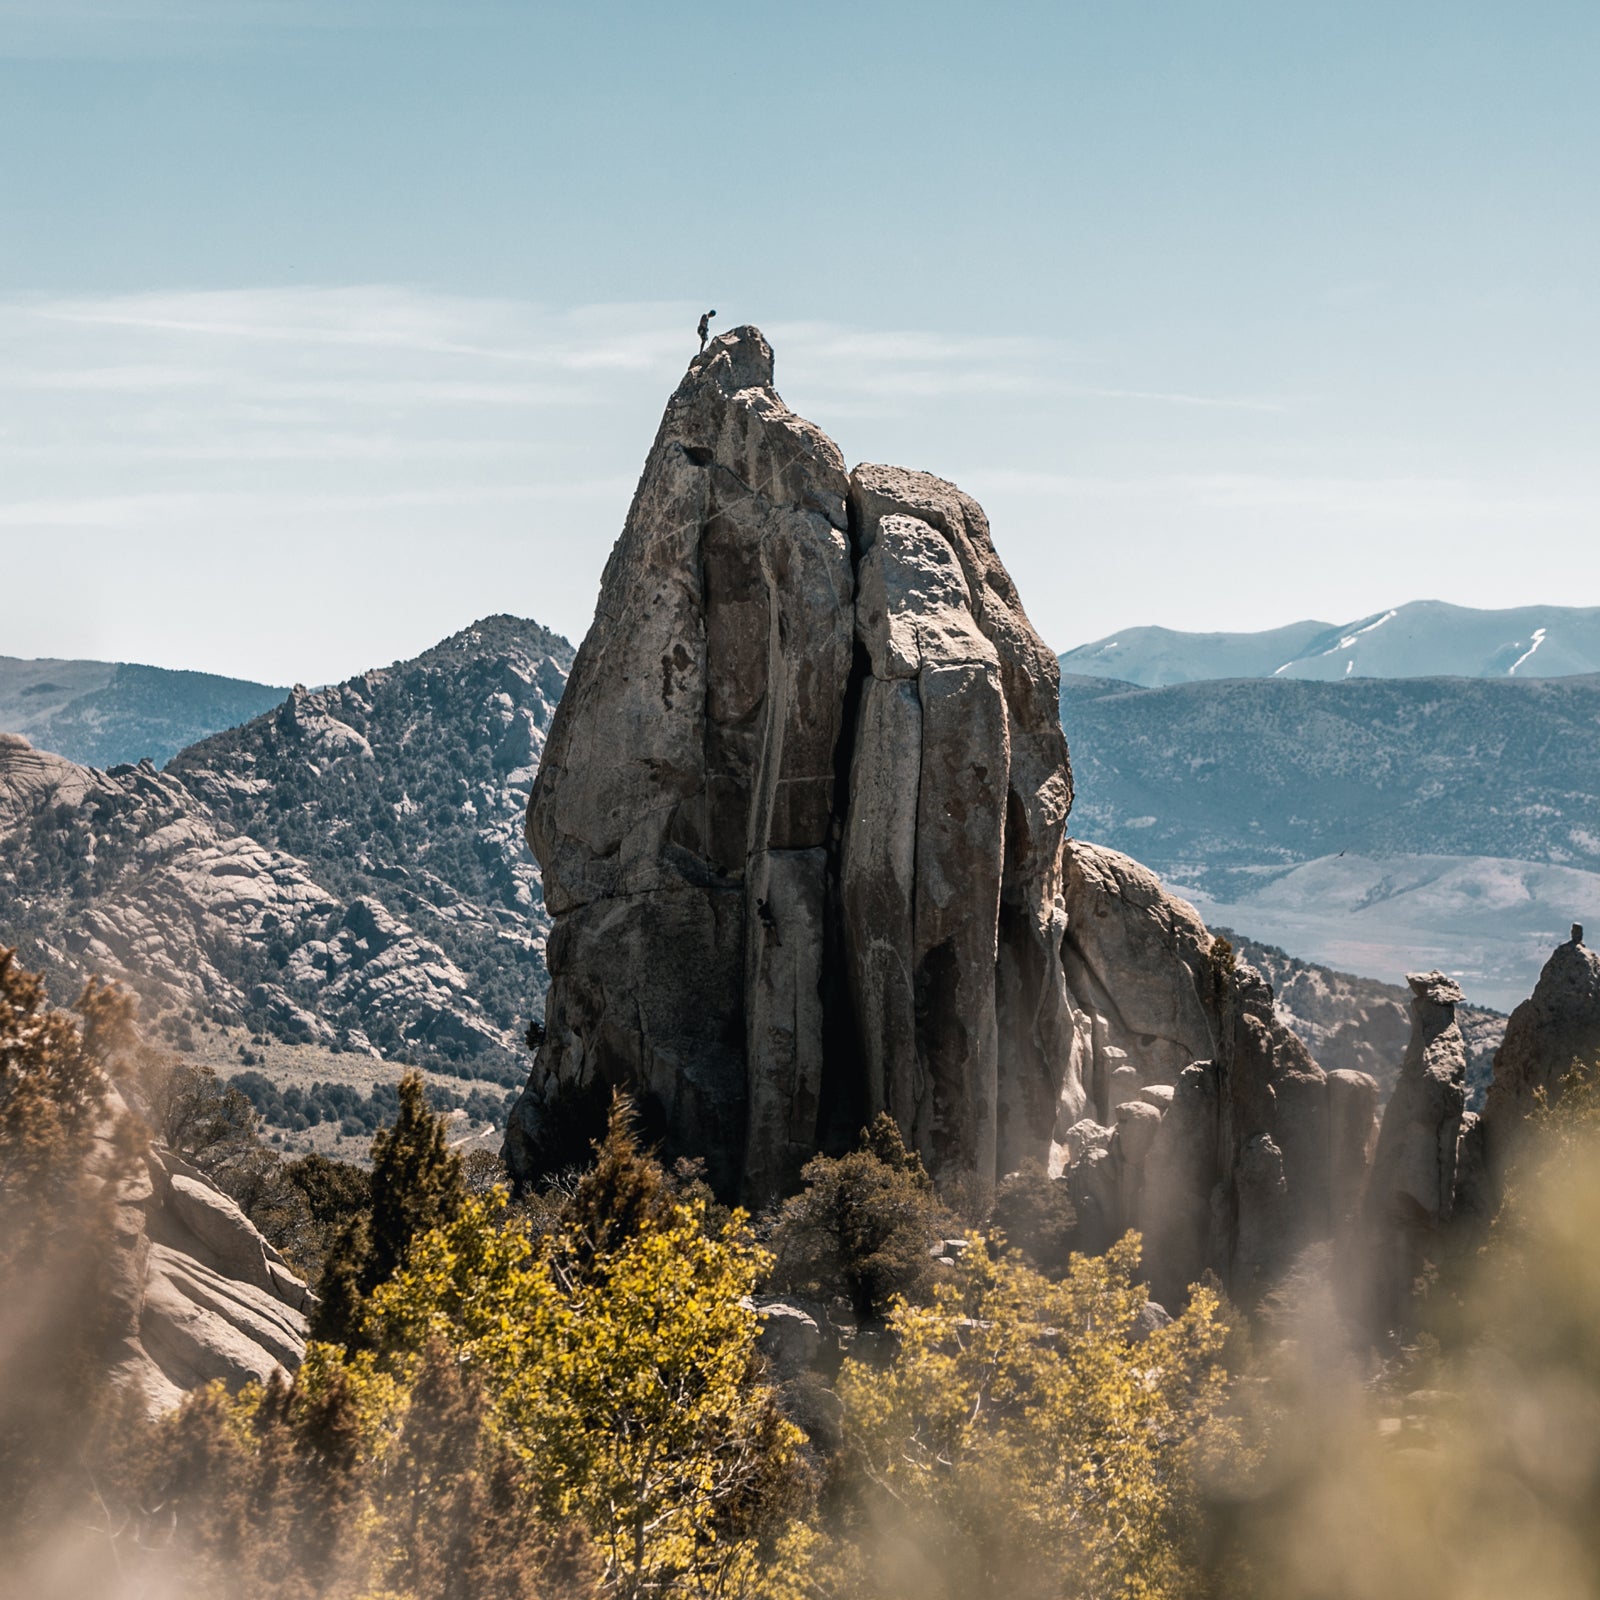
(958,794)
(683,813)
(1555,1029)
(1355,1024)
(800,812)
(1219,1137)
(1411,1192)
(1136,960)
(200,1295)
(347,866)
(34,779)
(801,817)
(1208,1125)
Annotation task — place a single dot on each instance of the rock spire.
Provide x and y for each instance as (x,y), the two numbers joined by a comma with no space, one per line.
(800,814)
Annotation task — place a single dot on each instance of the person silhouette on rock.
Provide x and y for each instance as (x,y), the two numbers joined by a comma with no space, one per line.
(705,327)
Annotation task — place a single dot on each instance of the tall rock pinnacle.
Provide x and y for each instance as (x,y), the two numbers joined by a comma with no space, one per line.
(800,815)
(1554,1030)
(802,820)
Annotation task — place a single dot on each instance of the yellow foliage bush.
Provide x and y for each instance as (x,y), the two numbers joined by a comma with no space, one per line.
(627,1387)
(1025,1439)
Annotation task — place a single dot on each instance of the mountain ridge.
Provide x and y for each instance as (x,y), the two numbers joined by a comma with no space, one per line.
(1372,824)
(346,869)
(107,713)
(1419,639)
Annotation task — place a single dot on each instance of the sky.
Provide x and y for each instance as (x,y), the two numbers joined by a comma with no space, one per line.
(327,326)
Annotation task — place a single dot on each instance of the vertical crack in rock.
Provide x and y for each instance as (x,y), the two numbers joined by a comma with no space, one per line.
(683,807)
(802,816)
(845,1107)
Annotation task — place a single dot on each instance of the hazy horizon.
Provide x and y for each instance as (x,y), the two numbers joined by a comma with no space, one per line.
(334,327)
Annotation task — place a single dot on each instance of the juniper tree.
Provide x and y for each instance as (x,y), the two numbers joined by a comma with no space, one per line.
(417,1184)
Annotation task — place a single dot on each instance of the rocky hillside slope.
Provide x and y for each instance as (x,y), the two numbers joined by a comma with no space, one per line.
(103,713)
(1238,774)
(1423,639)
(345,870)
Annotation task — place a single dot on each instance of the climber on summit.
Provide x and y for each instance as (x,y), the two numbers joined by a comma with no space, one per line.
(705,327)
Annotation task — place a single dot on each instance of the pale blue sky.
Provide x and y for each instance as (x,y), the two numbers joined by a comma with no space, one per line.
(329,325)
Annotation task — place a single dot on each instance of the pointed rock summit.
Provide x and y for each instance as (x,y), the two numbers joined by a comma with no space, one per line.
(800,813)
(1555,1029)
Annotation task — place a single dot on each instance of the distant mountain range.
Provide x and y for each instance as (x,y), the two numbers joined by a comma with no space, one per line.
(104,713)
(1423,639)
(348,868)
(1372,824)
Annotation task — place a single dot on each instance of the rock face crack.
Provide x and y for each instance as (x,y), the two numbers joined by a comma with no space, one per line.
(808,750)
(802,820)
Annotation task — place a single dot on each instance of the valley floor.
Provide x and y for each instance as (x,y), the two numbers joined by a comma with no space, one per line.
(1488,921)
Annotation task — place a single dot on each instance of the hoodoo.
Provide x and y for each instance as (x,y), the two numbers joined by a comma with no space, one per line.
(1556,1029)
(801,817)
(801,812)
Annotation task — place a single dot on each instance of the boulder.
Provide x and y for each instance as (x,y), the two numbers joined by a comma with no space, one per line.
(791,1335)
(199,1294)
(1153,1317)
(1411,1188)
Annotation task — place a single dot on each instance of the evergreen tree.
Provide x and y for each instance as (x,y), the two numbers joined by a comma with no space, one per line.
(623,1193)
(863,1224)
(417,1185)
(1034,1214)
(417,1180)
(64,1147)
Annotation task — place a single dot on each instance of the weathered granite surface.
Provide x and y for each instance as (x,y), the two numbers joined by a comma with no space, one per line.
(200,1294)
(801,818)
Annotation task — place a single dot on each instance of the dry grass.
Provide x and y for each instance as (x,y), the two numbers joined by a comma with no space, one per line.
(301,1065)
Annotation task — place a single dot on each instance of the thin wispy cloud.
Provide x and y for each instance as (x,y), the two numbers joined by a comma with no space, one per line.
(1454,500)
(109,513)
(864,367)
(159,377)
(1353,500)
(1167,397)
(154,29)
(456,445)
